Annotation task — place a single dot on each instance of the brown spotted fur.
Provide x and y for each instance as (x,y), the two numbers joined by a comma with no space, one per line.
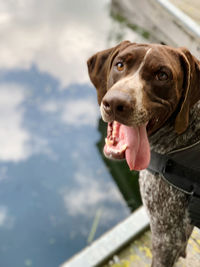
(175,113)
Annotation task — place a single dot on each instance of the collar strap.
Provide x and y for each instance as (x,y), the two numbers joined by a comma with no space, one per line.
(176,169)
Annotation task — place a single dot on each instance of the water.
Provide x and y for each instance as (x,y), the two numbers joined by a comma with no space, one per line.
(54,181)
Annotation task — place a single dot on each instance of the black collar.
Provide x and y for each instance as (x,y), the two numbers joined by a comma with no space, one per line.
(181,169)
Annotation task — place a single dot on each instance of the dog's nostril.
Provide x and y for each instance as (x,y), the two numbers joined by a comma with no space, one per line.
(120,108)
(106,105)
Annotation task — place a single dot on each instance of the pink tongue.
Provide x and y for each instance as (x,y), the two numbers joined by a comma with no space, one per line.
(138,150)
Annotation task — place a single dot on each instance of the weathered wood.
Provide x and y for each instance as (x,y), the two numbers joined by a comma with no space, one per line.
(189,7)
(164,22)
(138,253)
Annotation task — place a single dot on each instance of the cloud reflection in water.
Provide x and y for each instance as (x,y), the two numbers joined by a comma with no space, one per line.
(13,136)
(91,195)
(76,112)
(52,176)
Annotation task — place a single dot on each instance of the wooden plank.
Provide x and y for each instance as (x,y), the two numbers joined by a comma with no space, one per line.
(189,7)
(164,22)
(138,253)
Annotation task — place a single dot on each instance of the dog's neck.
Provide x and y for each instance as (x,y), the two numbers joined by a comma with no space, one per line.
(166,139)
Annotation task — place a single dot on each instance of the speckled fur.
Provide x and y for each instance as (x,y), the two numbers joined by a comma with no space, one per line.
(166,206)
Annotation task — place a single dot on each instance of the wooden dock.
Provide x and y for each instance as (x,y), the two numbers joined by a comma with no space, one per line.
(189,7)
(162,21)
(138,253)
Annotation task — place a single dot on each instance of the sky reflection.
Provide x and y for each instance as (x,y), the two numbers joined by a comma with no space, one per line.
(49,33)
(53,180)
(13,137)
(57,36)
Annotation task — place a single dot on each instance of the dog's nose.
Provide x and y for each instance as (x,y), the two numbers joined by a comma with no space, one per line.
(117,103)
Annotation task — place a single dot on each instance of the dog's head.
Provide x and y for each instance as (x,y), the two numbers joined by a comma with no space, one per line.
(144,85)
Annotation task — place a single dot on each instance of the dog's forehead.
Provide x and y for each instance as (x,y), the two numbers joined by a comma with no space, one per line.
(157,53)
(134,51)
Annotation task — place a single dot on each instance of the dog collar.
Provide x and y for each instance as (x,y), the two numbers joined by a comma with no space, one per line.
(181,169)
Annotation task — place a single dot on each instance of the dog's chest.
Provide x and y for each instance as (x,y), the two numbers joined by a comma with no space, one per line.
(162,200)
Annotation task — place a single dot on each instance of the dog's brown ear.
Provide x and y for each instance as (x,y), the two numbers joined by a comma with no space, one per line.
(99,65)
(191,88)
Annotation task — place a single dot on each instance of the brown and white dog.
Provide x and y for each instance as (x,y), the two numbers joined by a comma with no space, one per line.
(148,94)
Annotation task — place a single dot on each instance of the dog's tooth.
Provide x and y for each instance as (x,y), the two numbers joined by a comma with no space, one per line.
(109,142)
(117,151)
(123,148)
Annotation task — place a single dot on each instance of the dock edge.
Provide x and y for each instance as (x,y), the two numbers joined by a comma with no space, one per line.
(110,242)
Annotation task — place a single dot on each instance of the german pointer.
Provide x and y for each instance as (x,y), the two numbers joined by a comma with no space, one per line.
(148,94)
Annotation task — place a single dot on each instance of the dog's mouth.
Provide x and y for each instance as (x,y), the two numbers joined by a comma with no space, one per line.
(130,143)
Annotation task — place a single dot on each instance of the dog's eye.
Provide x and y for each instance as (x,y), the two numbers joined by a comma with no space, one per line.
(120,66)
(162,76)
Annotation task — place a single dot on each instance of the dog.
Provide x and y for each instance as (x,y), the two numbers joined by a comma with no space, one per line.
(149,96)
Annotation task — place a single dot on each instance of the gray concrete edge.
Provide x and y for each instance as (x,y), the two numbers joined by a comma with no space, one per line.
(186,21)
(109,243)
